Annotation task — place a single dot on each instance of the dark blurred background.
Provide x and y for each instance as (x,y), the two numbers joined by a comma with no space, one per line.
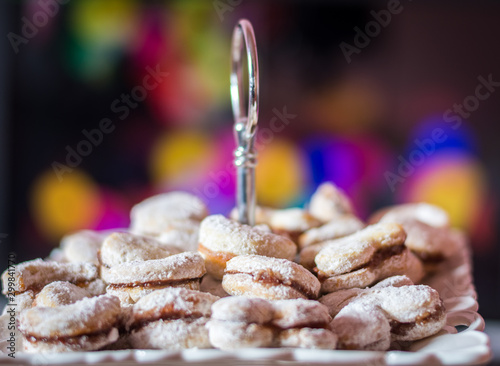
(383,98)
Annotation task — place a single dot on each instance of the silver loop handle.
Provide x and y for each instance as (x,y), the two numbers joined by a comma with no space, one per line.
(245,126)
(243,35)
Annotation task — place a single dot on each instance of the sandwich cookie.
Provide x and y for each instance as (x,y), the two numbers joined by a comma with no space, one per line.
(86,325)
(339,227)
(336,301)
(183,235)
(240,322)
(269,278)
(411,312)
(132,280)
(428,231)
(35,274)
(82,246)
(329,202)
(424,212)
(290,222)
(60,293)
(222,239)
(160,213)
(368,256)
(119,248)
(172,318)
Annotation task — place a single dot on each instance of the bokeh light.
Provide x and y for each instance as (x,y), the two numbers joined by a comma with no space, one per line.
(59,207)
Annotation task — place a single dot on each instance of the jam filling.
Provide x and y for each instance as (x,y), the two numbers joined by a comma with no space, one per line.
(218,256)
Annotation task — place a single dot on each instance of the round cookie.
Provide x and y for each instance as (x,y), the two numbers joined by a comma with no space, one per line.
(362,327)
(230,335)
(300,313)
(172,318)
(222,239)
(415,312)
(240,322)
(424,212)
(339,227)
(312,338)
(133,280)
(183,235)
(329,203)
(243,310)
(60,293)
(428,231)
(159,213)
(85,325)
(269,278)
(173,334)
(366,257)
(82,246)
(119,248)
(292,222)
(35,274)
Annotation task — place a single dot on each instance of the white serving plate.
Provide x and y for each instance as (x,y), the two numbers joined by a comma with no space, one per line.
(448,347)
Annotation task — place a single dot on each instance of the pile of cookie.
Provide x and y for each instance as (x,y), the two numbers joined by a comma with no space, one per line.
(179,278)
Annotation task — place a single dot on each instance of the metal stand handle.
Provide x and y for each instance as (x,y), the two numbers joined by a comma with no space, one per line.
(245,127)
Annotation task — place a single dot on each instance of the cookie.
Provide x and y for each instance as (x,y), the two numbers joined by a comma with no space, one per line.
(241,322)
(86,325)
(82,246)
(172,318)
(336,301)
(60,293)
(414,312)
(183,235)
(229,335)
(341,226)
(269,278)
(312,338)
(428,231)
(299,313)
(411,312)
(160,213)
(362,327)
(366,257)
(424,212)
(329,202)
(290,222)
(222,239)
(119,248)
(132,280)
(35,274)
(23,301)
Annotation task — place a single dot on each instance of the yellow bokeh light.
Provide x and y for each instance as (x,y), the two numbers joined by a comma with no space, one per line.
(178,157)
(59,207)
(110,22)
(458,189)
(279,174)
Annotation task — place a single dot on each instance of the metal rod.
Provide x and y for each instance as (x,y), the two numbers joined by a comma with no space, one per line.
(245,126)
